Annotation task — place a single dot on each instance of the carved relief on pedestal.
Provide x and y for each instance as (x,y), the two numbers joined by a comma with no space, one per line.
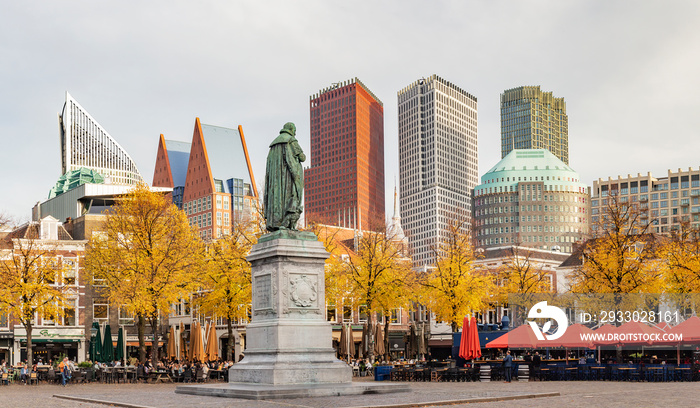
(303,291)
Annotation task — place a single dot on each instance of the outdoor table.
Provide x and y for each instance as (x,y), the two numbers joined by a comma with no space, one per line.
(218,374)
(119,373)
(625,373)
(162,376)
(684,373)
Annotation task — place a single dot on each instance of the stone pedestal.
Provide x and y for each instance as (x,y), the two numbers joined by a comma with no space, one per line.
(289,340)
(289,349)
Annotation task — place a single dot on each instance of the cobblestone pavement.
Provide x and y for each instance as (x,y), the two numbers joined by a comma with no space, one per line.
(573,394)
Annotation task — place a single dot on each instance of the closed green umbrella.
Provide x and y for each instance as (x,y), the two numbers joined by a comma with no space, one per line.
(108,347)
(98,343)
(119,352)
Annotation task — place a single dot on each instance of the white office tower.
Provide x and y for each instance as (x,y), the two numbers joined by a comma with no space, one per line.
(85,144)
(438,161)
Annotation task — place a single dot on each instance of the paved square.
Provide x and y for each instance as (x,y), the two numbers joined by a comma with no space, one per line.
(573,394)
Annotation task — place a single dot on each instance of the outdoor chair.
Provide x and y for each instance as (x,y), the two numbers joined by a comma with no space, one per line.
(199,375)
(78,377)
(51,376)
(660,374)
(635,374)
(33,379)
(140,374)
(187,376)
(451,375)
(5,379)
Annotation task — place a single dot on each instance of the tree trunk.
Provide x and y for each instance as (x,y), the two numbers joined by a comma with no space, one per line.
(386,338)
(231,341)
(155,353)
(142,340)
(30,356)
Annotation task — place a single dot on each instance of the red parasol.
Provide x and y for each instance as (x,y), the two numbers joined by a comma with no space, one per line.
(464,346)
(474,342)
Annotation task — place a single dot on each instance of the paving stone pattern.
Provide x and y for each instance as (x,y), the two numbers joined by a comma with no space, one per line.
(573,394)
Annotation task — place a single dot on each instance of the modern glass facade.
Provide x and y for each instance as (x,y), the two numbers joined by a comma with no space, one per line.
(532,119)
(85,144)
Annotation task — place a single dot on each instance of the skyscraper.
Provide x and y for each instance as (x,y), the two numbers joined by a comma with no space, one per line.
(85,144)
(438,160)
(532,119)
(344,184)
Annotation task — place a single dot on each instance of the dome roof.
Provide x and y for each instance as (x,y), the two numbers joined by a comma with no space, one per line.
(75,178)
(530,165)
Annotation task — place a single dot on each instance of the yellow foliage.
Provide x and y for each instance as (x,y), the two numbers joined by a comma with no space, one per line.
(682,253)
(378,274)
(27,274)
(623,258)
(226,287)
(456,286)
(148,256)
(524,274)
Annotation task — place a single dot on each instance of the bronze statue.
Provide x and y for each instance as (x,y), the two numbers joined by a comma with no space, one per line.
(284,181)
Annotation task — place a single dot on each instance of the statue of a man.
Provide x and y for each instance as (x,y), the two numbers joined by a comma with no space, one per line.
(284,181)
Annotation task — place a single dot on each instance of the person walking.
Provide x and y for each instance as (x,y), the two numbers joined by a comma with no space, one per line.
(507,366)
(65,372)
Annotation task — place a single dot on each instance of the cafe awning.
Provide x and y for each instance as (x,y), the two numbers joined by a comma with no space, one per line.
(44,341)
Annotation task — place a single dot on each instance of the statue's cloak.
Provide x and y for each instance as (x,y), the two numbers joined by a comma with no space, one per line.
(284,182)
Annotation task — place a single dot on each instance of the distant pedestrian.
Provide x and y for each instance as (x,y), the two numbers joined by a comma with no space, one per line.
(507,365)
(65,372)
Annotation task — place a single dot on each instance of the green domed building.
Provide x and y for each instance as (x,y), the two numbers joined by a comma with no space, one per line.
(532,199)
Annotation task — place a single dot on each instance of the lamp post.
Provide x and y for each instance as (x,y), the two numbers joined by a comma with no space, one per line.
(93,332)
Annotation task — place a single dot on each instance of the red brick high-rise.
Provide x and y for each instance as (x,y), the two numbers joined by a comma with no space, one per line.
(344,184)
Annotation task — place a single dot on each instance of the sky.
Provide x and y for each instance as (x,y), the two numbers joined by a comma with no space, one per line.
(629,72)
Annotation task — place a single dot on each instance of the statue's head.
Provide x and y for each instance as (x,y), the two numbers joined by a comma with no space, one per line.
(289,128)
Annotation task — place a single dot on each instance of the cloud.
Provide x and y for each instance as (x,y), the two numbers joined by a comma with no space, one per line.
(626,70)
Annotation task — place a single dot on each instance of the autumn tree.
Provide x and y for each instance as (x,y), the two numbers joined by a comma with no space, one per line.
(682,252)
(226,284)
(335,241)
(623,257)
(148,256)
(456,285)
(28,271)
(524,273)
(378,273)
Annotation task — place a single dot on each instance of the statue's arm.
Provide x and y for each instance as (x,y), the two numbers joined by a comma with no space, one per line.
(297,151)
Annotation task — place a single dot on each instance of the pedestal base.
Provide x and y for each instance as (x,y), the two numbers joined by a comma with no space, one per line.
(311,367)
(267,391)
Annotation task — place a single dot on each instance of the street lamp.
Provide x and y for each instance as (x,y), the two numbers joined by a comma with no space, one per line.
(93,333)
